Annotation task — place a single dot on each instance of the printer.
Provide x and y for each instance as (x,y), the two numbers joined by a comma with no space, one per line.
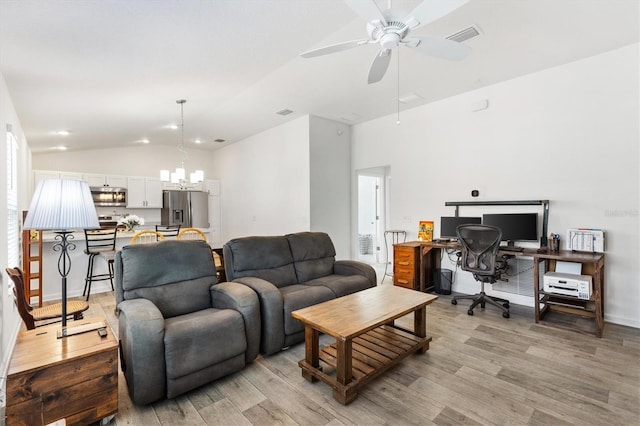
(579,286)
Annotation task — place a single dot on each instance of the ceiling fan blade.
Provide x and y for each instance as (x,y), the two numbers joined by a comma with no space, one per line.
(430,10)
(367,9)
(334,48)
(438,47)
(379,66)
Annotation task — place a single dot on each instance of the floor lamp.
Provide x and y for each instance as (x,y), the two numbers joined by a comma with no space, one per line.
(62,206)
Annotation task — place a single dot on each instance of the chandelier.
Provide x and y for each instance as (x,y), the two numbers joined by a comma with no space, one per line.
(178,179)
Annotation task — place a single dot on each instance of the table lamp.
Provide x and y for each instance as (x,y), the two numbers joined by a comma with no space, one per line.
(62,206)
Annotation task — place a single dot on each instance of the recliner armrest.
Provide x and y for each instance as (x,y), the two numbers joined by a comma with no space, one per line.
(244,300)
(272,308)
(353,267)
(141,333)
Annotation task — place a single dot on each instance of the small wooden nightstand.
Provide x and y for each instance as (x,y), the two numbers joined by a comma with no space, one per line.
(73,378)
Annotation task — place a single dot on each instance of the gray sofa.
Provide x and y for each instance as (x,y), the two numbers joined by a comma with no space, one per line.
(291,272)
(178,328)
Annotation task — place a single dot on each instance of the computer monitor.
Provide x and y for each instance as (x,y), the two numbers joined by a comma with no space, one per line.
(448,225)
(514,226)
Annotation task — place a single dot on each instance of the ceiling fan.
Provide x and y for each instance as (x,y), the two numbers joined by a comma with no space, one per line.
(392,27)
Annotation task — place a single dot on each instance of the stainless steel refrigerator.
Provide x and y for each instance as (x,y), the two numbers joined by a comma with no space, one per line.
(189,209)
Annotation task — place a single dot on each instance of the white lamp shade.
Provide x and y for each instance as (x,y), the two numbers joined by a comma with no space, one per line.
(180,173)
(62,204)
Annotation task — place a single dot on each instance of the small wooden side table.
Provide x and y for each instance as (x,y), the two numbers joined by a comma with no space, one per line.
(73,378)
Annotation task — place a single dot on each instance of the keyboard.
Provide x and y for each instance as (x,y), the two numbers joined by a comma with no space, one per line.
(514,249)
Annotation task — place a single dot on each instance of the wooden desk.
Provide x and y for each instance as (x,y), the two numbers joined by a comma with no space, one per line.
(414,262)
(73,378)
(367,342)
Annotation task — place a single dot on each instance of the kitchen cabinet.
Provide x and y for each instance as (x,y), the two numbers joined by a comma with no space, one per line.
(38,175)
(143,192)
(114,181)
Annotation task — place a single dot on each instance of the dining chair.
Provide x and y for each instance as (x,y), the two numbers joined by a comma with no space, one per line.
(191,234)
(147,236)
(29,314)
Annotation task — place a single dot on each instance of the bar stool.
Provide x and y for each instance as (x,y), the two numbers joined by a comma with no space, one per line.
(168,230)
(100,242)
(395,235)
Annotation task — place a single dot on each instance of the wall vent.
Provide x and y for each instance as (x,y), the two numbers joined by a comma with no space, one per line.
(284,112)
(465,34)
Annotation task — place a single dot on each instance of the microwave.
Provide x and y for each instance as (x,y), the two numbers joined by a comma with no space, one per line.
(108,196)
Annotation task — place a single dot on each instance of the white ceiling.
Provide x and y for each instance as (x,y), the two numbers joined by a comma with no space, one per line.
(110,71)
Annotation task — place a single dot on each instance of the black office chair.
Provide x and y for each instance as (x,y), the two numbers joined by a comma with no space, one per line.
(479,256)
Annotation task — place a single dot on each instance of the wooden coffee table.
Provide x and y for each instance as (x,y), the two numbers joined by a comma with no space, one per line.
(367,341)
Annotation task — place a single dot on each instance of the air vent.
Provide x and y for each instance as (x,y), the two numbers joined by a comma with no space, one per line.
(284,112)
(465,34)
(219,140)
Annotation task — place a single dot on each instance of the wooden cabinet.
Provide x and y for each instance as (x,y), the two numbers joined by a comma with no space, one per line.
(143,192)
(74,378)
(593,265)
(114,181)
(405,265)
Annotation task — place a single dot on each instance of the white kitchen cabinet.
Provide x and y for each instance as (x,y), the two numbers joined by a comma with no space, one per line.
(113,181)
(144,192)
(38,175)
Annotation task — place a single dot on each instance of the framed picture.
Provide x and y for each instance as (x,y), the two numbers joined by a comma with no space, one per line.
(425,230)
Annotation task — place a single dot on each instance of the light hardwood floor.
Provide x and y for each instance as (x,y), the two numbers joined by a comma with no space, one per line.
(479,370)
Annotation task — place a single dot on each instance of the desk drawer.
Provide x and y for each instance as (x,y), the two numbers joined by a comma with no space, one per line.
(404,278)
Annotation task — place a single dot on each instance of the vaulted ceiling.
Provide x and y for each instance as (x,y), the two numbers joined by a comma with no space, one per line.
(110,71)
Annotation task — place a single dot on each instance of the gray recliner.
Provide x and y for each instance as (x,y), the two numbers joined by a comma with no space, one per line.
(291,272)
(178,328)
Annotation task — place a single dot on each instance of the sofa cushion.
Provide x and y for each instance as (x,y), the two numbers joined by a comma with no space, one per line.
(154,272)
(202,339)
(268,258)
(341,285)
(313,254)
(300,296)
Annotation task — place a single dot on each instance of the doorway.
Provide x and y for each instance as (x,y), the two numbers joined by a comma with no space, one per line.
(372,214)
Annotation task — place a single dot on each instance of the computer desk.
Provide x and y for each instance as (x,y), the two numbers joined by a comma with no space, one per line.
(414,262)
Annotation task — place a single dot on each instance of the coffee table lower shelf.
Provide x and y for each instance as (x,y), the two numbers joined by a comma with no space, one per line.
(372,353)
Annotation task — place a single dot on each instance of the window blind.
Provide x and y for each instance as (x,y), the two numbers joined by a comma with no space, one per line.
(13,219)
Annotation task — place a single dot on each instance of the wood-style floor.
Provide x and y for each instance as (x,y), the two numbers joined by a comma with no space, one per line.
(479,370)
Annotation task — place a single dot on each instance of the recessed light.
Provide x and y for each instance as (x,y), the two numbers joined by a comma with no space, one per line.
(63,132)
(197,141)
(60,148)
(284,112)
(172,126)
(144,141)
(219,140)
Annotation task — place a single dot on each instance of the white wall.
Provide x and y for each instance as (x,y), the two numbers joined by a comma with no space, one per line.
(568,134)
(140,160)
(9,319)
(265,182)
(330,180)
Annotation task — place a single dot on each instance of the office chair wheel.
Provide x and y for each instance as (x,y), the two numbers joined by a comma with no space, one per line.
(505,314)
(506,305)
(470,312)
(454,302)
